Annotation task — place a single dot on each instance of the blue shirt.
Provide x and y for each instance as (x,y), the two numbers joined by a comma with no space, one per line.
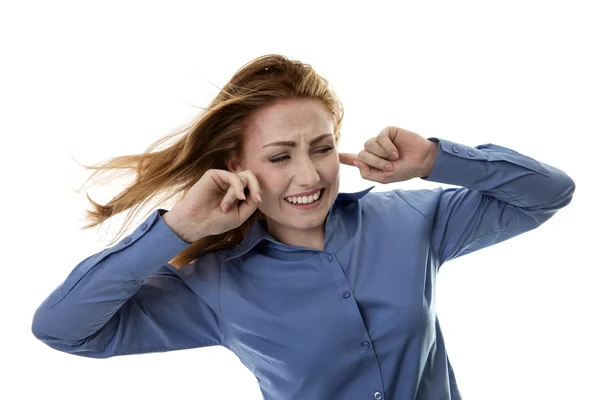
(356,321)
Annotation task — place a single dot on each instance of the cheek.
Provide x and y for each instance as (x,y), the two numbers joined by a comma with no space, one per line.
(270,183)
(332,170)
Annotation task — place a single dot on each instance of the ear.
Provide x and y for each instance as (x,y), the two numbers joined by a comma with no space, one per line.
(233,164)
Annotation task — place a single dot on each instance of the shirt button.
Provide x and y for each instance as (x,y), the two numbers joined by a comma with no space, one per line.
(346,295)
(144,226)
(377,396)
(366,344)
(127,239)
(329,258)
(471,153)
(455,148)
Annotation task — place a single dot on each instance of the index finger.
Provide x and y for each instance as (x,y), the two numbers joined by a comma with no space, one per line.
(252,183)
(348,158)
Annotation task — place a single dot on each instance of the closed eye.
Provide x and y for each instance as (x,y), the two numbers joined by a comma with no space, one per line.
(280,159)
(324,150)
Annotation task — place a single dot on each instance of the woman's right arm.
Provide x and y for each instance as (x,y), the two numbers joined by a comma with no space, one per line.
(127,299)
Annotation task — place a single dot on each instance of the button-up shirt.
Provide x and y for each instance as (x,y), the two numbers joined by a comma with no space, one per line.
(355,321)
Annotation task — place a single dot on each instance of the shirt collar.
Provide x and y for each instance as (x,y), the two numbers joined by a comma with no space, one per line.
(259,233)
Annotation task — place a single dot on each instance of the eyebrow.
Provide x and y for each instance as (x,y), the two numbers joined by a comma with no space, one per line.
(293,144)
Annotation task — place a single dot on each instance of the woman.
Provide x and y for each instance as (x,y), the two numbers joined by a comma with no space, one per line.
(322,295)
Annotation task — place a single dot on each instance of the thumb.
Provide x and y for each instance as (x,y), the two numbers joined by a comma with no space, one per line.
(365,170)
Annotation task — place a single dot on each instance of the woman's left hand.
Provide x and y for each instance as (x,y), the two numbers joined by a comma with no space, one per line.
(394,155)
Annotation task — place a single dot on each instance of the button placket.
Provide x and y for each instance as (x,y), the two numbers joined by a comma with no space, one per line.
(333,264)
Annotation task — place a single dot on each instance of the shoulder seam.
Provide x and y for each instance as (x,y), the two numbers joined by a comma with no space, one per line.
(396,192)
(429,226)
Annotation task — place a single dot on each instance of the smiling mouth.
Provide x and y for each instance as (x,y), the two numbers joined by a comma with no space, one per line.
(305,200)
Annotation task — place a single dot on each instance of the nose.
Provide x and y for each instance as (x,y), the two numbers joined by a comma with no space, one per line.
(306,174)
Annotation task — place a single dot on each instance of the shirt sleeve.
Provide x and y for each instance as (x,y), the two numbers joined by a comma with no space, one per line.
(501,194)
(127,299)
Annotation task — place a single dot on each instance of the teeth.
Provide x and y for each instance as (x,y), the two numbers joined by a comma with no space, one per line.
(304,199)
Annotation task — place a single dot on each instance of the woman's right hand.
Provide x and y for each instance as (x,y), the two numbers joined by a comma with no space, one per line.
(215,204)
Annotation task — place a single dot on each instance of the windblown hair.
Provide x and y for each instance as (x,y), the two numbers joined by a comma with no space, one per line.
(206,142)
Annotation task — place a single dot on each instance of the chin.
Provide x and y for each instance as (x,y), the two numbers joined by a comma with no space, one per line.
(308,223)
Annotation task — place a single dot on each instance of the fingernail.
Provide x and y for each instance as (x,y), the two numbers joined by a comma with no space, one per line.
(356,163)
(224,208)
(395,155)
(243,195)
(258,197)
(389,168)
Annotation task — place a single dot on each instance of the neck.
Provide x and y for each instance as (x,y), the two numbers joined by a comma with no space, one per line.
(310,238)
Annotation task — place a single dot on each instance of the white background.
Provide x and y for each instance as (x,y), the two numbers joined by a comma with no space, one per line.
(94,80)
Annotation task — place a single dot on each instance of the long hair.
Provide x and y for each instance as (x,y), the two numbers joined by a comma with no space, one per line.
(206,142)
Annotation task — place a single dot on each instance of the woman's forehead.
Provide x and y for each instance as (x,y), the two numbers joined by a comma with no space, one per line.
(290,121)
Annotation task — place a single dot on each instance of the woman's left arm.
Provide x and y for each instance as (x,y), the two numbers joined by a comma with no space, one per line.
(502,193)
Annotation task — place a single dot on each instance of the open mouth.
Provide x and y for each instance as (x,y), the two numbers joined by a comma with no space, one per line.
(306,202)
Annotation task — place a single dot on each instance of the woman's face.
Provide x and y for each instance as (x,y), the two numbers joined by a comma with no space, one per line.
(290,148)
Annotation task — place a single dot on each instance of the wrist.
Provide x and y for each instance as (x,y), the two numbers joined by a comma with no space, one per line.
(430,159)
(177,225)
